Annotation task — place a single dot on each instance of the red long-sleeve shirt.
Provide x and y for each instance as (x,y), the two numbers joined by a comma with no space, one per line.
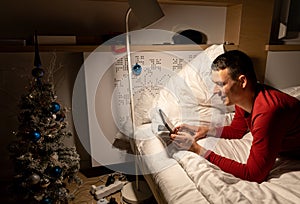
(275,126)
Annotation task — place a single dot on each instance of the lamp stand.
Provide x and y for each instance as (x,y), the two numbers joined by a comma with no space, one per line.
(132,195)
(133,192)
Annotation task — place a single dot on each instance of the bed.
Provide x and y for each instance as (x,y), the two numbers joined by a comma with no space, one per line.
(184,177)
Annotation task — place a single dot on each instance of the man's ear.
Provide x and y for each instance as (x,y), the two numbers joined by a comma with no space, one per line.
(243,80)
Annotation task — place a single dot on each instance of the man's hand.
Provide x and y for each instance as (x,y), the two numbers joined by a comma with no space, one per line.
(198,132)
(185,141)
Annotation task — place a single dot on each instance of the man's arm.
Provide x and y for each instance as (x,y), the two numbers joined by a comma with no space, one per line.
(237,129)
(267,134)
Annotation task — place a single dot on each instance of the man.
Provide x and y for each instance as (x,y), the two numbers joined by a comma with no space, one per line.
(271,116)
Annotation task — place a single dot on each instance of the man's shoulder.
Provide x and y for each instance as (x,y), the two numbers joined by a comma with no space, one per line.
(271,93)
(271,99)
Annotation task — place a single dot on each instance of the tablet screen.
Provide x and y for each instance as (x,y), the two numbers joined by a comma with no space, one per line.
(166,121)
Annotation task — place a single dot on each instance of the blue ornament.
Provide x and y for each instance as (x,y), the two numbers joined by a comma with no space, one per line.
(35,135)
(56,171)
(55,107)
(37,72)
(137,69)
(46,201)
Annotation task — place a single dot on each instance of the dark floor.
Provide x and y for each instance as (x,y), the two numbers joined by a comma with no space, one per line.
(82,193)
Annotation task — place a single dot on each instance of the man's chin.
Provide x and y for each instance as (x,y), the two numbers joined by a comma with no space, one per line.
(227,103)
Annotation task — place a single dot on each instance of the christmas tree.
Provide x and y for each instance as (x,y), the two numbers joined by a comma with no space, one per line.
(43,164)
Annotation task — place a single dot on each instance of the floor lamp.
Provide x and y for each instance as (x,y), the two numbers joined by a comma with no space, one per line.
(147,12)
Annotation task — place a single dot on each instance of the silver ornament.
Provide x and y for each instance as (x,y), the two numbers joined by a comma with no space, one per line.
(34,179)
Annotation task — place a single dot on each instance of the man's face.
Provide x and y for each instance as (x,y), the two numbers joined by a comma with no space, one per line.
(227,88)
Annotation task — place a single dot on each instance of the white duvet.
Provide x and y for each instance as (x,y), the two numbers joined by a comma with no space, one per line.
(184,177)
(282,186)
(189,177)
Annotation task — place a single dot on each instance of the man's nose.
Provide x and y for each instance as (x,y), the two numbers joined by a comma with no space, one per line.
(217,90)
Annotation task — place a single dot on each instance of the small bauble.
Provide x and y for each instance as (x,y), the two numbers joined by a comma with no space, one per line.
(46,201)
(56,171)
(60,117)
(34,179)
(137,69)
(55,107)
(54,116)
(35,136)
(37,72)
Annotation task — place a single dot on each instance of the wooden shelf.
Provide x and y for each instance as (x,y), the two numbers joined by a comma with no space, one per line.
(49,48)
(203,2)
(282,47)
(121,48)
(194,2)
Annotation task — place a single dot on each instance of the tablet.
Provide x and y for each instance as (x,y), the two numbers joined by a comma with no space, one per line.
(166,121)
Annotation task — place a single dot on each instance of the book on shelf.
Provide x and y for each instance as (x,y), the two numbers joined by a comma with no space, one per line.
(9,42)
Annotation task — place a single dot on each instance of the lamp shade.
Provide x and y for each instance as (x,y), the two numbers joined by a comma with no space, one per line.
(146,11)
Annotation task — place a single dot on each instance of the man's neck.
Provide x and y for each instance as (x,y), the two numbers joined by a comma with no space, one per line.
(248,100)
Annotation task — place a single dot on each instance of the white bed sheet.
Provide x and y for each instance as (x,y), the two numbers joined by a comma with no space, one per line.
(189,177)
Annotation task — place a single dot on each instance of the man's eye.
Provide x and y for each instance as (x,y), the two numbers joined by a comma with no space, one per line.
(220,84)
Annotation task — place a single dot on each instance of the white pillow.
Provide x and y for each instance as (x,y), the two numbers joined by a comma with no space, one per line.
(293,91)
(187,97)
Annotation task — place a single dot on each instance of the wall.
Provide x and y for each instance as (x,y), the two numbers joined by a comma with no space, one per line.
(68,17)
(282,69)
(97,18)
(208,20)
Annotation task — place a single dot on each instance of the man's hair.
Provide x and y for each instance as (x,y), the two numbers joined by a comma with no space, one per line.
(237,62)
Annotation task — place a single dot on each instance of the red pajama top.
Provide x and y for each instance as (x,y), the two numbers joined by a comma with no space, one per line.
(275,126)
